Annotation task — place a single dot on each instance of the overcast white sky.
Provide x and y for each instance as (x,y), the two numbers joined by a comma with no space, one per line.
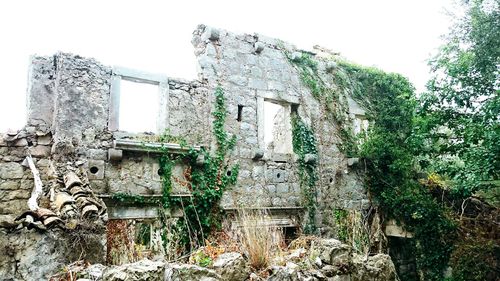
(394,35)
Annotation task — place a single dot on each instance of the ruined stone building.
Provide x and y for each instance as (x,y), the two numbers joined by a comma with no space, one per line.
(77,136)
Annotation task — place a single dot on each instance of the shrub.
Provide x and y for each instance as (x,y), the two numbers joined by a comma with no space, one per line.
(258,237)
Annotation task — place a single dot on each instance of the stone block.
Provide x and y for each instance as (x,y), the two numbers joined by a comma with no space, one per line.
(115,155)
(10,185)
(296,56)
(331,66)
(16,206)
(14,194)
(99,186)
(41,94)
(256,72)
(352,161)
(44,140)
(295,188)
(244,174)
(43,163)
(189,272)
(276,201)
(251,141)
(211,34)
(27,184)
(231,266)
(282,188)
(40,151)
(95,169)
(258,84)
(7,221)
(310,158)
(97,154)
(258,154)
(11,170)
(130,212)
(276,175)
(330,251)
(20,142)
(258,47)
(210,50)
(276,86)
(270,188)
(238,80)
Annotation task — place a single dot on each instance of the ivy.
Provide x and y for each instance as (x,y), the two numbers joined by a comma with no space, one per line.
(166,165)
(208,180)
(304,142)
(341,223)
(390,151)
(331,98)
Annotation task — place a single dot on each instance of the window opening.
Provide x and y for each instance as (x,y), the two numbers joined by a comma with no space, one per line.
(139,106)
(277,128)
(240,112)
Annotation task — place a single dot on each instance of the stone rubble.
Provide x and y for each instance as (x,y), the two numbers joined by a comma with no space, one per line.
(339,265)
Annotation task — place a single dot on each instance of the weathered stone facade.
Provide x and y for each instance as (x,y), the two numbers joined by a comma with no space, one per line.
(73,106)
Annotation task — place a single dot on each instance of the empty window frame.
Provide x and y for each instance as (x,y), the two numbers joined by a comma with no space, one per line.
(138,101)
(360,124)
(277,133)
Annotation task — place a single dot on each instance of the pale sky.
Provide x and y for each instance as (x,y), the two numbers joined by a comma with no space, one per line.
(154,36)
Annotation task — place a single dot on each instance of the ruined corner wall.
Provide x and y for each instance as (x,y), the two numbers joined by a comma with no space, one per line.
(69,108)
(253,69)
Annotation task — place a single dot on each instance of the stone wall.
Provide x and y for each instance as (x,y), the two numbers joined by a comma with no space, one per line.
(71,121)
(73,125)
(252,69)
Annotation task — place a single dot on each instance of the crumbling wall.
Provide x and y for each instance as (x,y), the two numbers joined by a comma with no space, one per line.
(70,106)
(252,69)
(68,110)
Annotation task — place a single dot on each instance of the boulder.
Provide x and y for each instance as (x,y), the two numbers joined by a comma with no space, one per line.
(189,272)
(284,273)
(94,271)
(7,221)
(297,255)
(231,266)
(11,170)
(375,268)
(292,272)
(143,270)
(330,251)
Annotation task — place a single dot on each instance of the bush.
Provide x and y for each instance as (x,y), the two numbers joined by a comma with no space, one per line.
(258,237)
(475,261)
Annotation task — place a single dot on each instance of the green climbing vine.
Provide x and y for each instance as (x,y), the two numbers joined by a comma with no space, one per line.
(331,97)
(340,217)
(390,151)
(208,180)
(304,142)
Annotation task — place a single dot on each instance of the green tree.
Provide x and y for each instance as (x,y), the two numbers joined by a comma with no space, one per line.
(459,119)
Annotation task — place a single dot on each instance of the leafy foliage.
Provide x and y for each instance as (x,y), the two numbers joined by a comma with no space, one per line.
(340,220)
(331,98)
(459,121)
(208,180)
(460,115)
(389,151)
(304,142)
(475,261)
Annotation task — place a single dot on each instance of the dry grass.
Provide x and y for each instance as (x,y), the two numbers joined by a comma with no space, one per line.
(259,238)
